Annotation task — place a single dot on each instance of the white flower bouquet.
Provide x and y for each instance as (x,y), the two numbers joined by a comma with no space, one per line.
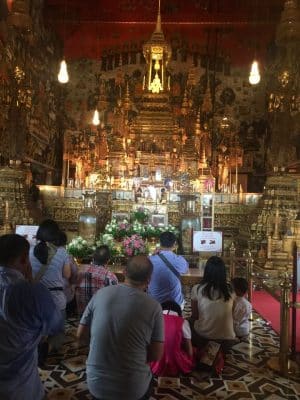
(79,248)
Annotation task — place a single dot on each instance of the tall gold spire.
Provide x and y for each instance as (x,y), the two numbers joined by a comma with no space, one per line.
(157,53)
(158,21)
(185,105)
(207,101)
(202,161)
(198,124)
(127,102)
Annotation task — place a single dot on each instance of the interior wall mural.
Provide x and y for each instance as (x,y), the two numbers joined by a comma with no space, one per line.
(30,119)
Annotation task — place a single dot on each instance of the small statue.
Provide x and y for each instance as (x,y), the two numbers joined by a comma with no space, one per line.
(163,196)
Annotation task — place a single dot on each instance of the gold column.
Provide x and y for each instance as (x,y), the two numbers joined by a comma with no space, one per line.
(64,172)
(150,73)
(283,364)
(285,288)
(249,274)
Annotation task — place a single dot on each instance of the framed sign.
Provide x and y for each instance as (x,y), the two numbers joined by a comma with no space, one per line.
(122,195)
(159,219)
(208,241)
(28,232)
(120,216)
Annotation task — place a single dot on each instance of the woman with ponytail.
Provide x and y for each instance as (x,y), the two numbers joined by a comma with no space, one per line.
(212,305)
(50,265)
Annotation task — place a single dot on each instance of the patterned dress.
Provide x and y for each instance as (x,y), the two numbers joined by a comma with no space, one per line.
(94,277)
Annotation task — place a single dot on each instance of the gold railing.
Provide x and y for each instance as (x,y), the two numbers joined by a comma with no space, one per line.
(283,363)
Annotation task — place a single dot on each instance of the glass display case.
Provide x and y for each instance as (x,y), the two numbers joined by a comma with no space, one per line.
(87,221)
(207,211)
(190,221)
(123,195)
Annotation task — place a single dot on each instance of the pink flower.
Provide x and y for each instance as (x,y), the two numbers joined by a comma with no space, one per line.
(133,245)
(137,244)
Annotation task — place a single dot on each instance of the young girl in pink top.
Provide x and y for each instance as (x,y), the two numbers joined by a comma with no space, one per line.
(178,355)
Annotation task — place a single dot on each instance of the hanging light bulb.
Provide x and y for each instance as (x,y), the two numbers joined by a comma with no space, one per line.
(63,76)
(96,119)
(254,77)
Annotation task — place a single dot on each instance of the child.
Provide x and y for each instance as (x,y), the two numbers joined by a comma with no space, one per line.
(178,351)
(241,309)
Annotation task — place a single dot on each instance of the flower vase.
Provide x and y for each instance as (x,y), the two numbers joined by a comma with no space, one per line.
(190,221)
(88,219)
(189,224)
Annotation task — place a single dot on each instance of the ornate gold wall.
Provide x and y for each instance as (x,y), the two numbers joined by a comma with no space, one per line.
(30,96)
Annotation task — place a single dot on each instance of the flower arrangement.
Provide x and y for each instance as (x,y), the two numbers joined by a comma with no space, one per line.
(141,215)
(118,229)
(155,231)
(105,238)
(171,228)
(111,228)
(122,238)
(79,248)
(133,245)
(138,229)
(108,240)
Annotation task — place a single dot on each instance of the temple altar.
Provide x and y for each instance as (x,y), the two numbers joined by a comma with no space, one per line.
(233,213)
(191,278)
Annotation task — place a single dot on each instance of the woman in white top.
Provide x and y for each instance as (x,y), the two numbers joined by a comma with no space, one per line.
(212,304)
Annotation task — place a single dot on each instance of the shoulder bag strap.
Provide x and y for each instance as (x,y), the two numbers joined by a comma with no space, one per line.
(169,265)
(52,251)
(88,286)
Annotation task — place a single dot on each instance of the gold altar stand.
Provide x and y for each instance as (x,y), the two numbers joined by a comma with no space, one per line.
(191,278)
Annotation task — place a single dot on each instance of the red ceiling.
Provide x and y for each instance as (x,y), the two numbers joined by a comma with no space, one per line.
(89,27)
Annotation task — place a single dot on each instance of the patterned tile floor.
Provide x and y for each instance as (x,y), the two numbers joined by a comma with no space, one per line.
(245,375)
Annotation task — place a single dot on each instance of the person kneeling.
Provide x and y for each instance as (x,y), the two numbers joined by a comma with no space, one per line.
(178,355)
(241,309)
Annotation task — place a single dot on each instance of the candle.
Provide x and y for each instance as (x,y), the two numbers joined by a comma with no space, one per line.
(6,209)
(144,81)
(68,170)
